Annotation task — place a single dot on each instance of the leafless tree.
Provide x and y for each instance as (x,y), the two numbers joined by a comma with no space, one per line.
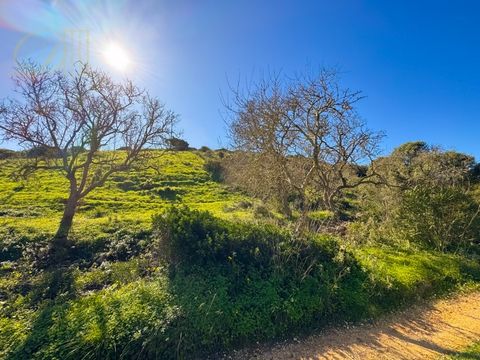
(256,174)
(76,115)
(309,130)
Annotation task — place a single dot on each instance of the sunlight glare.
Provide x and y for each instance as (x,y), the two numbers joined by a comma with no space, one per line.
(115,56)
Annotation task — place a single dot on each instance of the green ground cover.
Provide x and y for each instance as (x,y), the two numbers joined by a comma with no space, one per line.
(187,283)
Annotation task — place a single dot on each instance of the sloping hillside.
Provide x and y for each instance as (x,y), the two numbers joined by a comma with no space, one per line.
(35,204)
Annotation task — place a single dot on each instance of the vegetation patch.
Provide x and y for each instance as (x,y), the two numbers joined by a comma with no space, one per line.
(201,284)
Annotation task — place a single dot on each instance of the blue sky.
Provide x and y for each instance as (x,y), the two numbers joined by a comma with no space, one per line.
(415,61)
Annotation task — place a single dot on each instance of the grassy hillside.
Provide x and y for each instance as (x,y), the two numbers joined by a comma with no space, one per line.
(186,283)
(174,178)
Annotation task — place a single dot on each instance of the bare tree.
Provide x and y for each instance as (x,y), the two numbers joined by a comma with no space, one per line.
(309,130)
(76,115)
(257,175)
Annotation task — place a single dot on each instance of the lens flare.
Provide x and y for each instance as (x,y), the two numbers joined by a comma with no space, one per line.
(103,33)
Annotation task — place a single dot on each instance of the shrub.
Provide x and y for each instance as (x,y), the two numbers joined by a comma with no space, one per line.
(178,144)
(244,204)
(42,152)
(168,193)
(189,237)
(7,154)
(215,169)
(261,211)
(193,237)
(205,149)
(123,244)
(439,218)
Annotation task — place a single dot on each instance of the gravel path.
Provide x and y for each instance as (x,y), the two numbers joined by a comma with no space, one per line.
(421,332)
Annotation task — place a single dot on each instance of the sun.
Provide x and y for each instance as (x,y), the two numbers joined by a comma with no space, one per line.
(116,56)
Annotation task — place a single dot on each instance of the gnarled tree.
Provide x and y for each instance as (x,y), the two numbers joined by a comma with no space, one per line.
(309,131)
(75,116)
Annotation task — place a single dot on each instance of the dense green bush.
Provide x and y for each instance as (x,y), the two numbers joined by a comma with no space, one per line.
(439,218)
(42,152)
(197,238)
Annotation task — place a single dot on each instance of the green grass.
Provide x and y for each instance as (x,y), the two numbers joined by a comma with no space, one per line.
(471,353)
(404,276)
(35,205)
(409,268)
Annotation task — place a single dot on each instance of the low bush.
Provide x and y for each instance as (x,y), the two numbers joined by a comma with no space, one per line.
(261,211)
(189,237)
(14,246)
(177,144)
(443,218)
(215,169)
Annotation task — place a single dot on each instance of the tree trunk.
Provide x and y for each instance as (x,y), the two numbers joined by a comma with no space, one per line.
(285,206)
(60,243)
(328,203)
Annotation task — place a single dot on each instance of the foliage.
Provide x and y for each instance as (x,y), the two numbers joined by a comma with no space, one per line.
(177,144)
(42,151)
(193,237)
(7,154)
(191,282)
(416,163)
(427,201)
(205,149)
(216,169)
(440,218)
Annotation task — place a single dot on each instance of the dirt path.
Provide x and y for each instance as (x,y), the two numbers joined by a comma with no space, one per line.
(422,332)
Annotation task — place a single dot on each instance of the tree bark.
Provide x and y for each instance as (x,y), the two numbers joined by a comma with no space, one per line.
(60,243)
(328,200)
(285,206)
